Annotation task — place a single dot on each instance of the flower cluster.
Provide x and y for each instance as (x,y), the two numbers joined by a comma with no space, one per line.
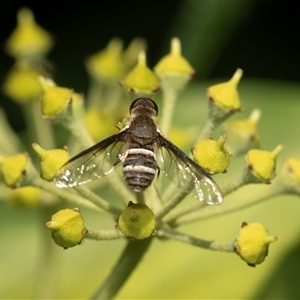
(142,216)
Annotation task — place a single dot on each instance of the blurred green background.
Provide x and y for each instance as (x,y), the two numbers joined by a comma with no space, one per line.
(217,37)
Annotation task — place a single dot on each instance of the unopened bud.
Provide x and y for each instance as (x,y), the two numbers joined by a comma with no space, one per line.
(137,221)
(67,228)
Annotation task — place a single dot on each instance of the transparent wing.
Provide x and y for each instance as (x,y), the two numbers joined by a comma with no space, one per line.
(92,163)
(186,174)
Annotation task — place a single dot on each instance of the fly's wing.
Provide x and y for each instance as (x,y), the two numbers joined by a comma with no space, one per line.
(186,174)
(92,163)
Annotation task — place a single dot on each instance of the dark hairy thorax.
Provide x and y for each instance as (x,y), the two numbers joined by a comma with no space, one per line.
(142,133)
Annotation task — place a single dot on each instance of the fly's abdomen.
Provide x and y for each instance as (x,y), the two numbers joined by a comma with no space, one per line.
(139,168)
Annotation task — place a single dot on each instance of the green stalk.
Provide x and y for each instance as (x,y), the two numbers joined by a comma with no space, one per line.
(101,235)
(91,196)
(39,130)
(232,206)
(95,93)
(128,261)
(207,130)
(174,200)
(187,239)
(45,285)
(169,100)
(61,193)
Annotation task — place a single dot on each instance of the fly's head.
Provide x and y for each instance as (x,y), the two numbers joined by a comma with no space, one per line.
(143,106)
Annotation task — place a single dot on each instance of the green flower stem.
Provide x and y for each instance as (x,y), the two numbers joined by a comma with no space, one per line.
(47,262)
(90,199)
(169,191)
(40,130)
(77,128)
(169,100)
(170,203)
(239,182)
(101,235)
(235,205)
(91,196)
(180,211)
(111,98)
(152,198)
(103,94)
(64,194)
(9,141)
(119,186)
(216,116)
(168,233)
(243,179)
(207,130)
(130,258)
(95,93)
(140,197)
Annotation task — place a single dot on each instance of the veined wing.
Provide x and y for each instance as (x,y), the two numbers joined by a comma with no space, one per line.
(186,174)
(92,163)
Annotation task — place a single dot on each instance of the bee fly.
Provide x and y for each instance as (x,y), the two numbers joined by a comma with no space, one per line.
(143,151)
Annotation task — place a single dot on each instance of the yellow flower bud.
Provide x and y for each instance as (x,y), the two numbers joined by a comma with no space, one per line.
(137,221)
(131,53)
(252,243)
(22,83)
(225,94)
(28,39)
(25,196)
(54,99)
(242,135)
(67,228)
(99,124)
(174,64)
(107,64)
(50,160)
(211,155)
(141,80)
(262,163)
(293,166)
(183,137)
(14,168)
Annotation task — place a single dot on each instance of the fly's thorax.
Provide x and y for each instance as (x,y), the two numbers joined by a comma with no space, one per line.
(139,168)
(143,127)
